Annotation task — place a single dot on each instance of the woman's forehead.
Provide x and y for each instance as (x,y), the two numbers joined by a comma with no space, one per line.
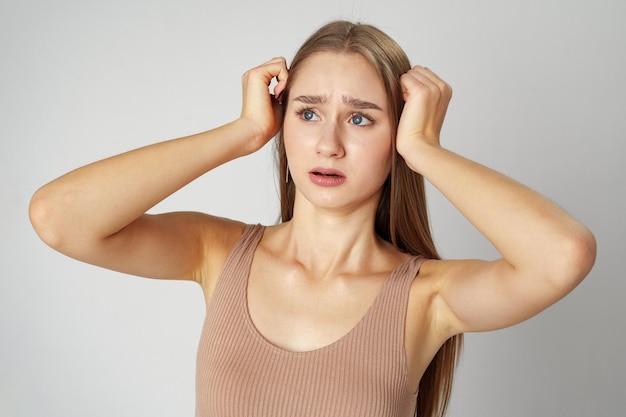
(330,75)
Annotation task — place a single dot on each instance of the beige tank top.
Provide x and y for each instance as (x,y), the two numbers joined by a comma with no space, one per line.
(241,374)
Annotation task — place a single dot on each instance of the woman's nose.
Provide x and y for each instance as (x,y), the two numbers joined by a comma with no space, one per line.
(329,143)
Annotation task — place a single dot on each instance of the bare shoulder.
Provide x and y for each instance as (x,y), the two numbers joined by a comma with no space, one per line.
(219,236)
(429,303)
(427,297)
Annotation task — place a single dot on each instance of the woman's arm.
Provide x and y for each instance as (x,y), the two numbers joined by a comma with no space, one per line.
(96,213)
(545,252)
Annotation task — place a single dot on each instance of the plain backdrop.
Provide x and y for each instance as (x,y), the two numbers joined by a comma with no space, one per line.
(539,94)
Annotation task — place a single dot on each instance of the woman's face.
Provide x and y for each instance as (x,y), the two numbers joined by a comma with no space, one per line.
(337,132)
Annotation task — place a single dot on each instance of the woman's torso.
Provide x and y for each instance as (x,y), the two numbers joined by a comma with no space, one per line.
(303,366)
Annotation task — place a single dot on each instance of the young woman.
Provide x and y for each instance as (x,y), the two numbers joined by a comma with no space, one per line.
(344,308)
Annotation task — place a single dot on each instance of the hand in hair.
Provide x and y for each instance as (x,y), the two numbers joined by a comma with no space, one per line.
(262,110)
(427,97)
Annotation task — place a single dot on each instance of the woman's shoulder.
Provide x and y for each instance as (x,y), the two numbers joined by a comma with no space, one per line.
(219,236)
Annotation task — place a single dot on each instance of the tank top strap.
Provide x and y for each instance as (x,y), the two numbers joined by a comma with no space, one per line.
(405,274)
(402,280)
(392,303)
(243,251)
(231,281)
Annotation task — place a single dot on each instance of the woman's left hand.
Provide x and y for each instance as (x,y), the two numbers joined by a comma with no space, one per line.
(427,97)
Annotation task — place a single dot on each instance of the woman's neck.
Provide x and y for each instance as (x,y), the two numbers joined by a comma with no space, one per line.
(329,242)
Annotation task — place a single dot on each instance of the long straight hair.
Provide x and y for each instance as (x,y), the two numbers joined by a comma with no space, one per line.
(402,216)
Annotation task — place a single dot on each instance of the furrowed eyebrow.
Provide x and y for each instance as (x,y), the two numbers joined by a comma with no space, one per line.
(311,99)
(360,104)
(349,101)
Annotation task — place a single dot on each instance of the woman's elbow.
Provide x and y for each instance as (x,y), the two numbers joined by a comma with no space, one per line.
(41,214)
(579,256)
(587,252)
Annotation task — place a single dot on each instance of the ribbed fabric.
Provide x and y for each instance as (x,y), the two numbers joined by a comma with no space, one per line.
(241,374)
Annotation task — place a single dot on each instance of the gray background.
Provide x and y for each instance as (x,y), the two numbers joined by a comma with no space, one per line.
(539,95)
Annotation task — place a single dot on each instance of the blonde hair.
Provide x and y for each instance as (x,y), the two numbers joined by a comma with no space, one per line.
(402,216)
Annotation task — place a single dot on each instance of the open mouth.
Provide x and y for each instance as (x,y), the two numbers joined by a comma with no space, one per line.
(327,177)
(325,174)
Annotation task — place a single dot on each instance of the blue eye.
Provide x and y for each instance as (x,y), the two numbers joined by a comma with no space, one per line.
(308,115)
(360,120)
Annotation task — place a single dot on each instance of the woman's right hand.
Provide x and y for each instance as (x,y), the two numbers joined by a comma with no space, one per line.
(261,110)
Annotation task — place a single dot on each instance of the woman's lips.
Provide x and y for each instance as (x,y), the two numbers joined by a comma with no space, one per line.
(327,177)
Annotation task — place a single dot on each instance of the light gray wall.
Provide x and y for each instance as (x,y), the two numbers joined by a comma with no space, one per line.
(539,95)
